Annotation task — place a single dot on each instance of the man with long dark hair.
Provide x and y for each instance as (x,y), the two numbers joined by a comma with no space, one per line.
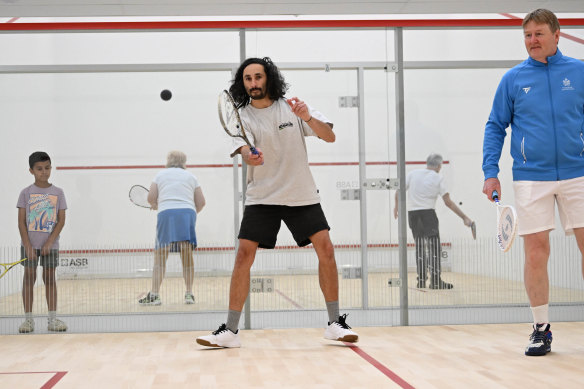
(280,188)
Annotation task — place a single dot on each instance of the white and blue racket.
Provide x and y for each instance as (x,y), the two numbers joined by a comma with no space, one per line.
(506,223)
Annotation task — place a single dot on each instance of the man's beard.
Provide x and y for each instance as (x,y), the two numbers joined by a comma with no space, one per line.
(259,96)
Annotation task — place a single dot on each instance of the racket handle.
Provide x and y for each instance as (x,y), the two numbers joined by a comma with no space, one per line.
(495,196)
(254,151)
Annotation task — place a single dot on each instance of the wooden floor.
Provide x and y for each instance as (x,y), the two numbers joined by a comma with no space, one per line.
(464,356)
(289,292)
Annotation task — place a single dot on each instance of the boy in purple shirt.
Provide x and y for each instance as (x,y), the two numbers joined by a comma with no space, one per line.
(41,217)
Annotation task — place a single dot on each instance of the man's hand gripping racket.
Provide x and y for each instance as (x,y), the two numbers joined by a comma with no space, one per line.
(506,223)
(230,120)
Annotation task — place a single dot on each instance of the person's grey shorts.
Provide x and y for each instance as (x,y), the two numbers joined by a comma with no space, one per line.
(50,261)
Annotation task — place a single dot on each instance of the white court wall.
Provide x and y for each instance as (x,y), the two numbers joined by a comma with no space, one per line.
(91,119)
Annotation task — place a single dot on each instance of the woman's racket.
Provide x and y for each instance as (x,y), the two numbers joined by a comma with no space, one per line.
(139,196)
(230,120)
(8,266)
(506,223)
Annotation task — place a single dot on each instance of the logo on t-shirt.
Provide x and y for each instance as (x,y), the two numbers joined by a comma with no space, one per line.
(284,125)
(567,85)
(42,215)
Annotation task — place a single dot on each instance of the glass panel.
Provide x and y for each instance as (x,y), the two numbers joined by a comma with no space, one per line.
(119,48)
(316,46)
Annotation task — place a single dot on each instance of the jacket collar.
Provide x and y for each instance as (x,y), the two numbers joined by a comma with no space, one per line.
(557,57)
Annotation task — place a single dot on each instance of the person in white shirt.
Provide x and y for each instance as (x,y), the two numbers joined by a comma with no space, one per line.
(178,197)
(424,186)
(280,188)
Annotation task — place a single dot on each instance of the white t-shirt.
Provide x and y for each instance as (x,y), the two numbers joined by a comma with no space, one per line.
(424,186)
(176,189)
(285,177)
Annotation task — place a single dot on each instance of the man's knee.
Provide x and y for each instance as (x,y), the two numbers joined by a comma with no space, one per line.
(246,253)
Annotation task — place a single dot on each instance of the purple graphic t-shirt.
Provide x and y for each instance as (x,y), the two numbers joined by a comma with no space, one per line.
(42,208)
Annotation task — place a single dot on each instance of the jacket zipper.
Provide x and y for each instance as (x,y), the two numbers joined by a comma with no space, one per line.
(553,117)
(582,139)
(523,149)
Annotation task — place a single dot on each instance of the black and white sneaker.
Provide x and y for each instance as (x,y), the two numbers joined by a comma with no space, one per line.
(541,340)
(222,337)
(339,330)
(150,299)
(441,285)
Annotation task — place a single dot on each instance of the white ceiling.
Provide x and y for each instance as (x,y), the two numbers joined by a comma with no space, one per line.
(96,8)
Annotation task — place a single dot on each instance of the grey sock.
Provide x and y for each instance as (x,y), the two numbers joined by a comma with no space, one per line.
(333,310)
(233,320)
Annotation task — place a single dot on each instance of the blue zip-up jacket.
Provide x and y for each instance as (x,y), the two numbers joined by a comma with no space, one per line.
(544,104)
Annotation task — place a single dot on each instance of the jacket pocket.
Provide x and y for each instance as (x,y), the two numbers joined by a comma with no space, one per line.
(523,149)
(582,139)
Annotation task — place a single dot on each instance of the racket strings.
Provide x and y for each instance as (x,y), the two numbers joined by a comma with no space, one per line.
(506,225)
(229,115)
(139,196)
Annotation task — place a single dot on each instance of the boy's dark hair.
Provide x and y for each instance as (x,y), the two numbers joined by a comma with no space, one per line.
(38,156)
(276,87)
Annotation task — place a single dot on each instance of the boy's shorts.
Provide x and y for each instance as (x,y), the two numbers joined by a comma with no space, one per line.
(535,204)
(261,223)
(49,261)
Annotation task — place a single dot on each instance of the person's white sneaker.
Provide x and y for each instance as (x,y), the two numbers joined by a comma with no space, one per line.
(149,299)
(26,327)
(57,325)
(222,337)
(339,330)
(189,298)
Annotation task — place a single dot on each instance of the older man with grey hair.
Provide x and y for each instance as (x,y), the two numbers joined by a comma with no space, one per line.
(424,186)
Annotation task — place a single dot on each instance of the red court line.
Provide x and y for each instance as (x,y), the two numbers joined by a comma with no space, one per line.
(562,34)
(53,381)
(379,366)
(294,303)
(57,375)
(197,25)
(230,165)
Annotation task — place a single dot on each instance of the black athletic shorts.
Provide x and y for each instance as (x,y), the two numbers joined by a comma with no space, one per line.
(261,223)
(423,223)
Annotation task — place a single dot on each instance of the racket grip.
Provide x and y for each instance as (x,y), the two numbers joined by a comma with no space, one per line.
(495,195)
(253,150)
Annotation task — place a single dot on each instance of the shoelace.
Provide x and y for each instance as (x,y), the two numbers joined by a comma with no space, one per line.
(221,329)
(342,323)
(538,336)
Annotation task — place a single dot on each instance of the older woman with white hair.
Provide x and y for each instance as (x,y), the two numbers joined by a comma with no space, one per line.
(178,196)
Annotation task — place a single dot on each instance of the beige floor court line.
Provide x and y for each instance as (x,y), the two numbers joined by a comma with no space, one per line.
(462,356)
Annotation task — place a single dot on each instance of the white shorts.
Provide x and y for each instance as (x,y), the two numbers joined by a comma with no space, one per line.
(535,204)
